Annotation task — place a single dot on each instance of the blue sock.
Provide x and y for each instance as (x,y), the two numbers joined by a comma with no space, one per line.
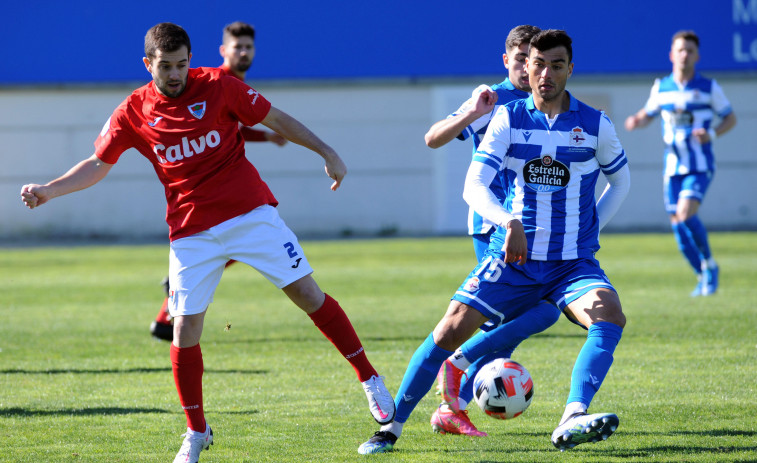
(593,361)
(502,341)
(687,246)
(699,236)
(419,377)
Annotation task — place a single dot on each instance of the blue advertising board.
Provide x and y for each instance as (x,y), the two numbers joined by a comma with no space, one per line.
(90,41)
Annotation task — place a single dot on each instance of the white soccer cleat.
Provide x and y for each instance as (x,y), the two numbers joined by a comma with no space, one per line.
(192,446)
(380,401)
(581,428)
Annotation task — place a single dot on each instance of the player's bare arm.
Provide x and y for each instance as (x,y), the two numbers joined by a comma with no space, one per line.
(274,137)
(638,120)
(294,131)
(707,136)
(82,175)
(447,129)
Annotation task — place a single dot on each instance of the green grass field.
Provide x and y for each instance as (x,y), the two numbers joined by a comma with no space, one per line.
(81,380)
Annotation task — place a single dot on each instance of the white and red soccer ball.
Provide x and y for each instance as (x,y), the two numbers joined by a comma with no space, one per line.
(503,388)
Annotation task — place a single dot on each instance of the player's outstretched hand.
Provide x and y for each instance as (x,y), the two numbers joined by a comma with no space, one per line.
(516,244)
(336,169)
(33,195)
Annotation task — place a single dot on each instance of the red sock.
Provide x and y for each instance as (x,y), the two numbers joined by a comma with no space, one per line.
(163,316)
(334,324)
(187,374)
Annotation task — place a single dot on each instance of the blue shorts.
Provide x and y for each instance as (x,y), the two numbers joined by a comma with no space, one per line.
(481,243)
(502,291)
(678,187)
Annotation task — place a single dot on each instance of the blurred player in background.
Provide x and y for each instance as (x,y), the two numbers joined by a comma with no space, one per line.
(550,150)
(471,121)
(186,124)
(238,52)
(688,104)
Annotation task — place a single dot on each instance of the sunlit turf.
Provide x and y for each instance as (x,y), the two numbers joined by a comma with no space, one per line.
(82,380)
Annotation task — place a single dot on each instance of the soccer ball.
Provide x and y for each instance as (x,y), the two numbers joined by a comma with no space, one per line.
(503,389)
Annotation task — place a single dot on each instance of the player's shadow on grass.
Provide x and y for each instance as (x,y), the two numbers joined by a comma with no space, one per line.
(685,449)
(96,411)
(99,371)
(17,411)
(578,334)
(717,433)
(394,339)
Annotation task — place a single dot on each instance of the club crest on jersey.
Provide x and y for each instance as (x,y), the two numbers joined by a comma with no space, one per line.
(546,174)
(577,136)
(197,109)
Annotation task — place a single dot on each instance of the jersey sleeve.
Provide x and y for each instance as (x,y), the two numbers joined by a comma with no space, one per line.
(247,104)
(115,137)
(653,102)
(720,103)
(496,141)
(610,153)
(614,164)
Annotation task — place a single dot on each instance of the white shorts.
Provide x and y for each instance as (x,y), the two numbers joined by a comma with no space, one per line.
(259,238)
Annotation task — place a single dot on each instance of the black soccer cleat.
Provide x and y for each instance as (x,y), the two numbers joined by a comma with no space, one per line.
(162,331)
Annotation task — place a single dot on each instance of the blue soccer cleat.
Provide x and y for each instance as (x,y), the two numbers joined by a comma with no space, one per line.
(698,288)
(710,281)
(381,442)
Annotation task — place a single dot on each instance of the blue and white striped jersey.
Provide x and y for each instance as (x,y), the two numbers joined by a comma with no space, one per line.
(549,170)
(506,92)
(683,108)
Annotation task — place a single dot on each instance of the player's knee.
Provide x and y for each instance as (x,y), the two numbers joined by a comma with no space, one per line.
(618,318)
(187,330)
(457,325)
(306,294)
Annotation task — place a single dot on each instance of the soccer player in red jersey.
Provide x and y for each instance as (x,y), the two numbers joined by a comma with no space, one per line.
(238,51)
(186,124)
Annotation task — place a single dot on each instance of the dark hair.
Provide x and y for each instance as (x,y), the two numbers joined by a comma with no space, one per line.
(238,29)
(165,37)
(520,35)
(686,35)
(552,38)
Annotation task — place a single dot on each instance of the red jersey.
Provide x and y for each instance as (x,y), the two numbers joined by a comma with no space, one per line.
(248,133)
(194,144)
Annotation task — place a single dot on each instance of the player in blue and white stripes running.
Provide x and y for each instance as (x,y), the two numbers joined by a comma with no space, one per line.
(688,104)
(549,149)
(470,121)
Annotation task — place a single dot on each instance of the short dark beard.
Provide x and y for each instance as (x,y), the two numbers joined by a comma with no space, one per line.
(242,67)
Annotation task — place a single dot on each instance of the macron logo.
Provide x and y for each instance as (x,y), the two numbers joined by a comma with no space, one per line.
(527,135)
